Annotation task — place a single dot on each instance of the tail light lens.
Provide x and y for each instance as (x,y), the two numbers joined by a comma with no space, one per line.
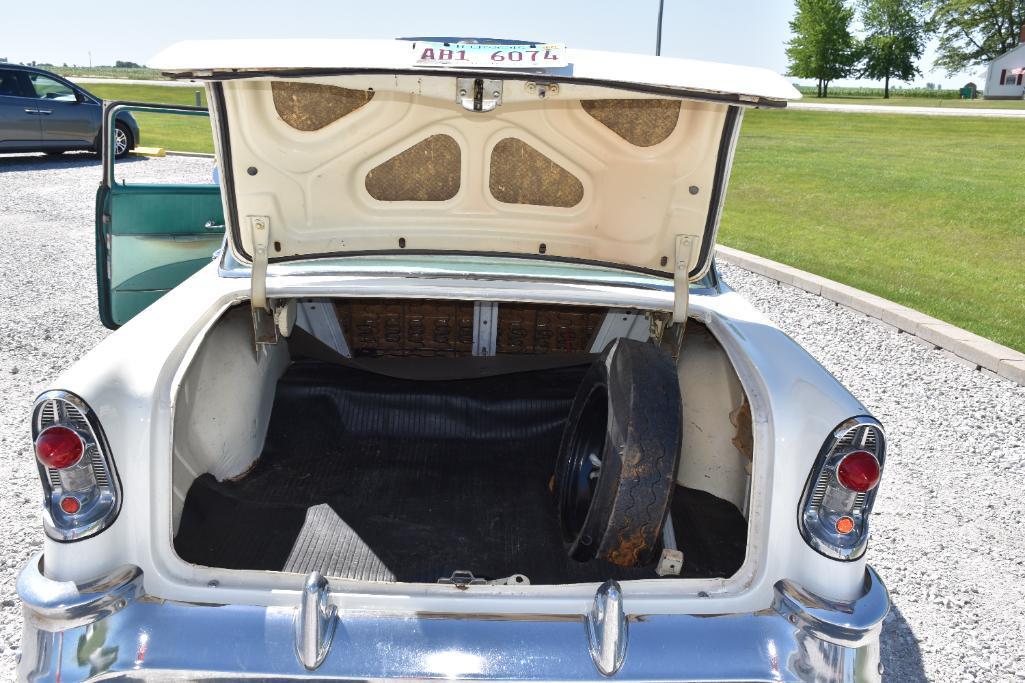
(82,494)
(858,471)
(59,447)
(838,498)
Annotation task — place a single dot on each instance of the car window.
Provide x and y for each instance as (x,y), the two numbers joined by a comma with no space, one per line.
(9,85)
(50,89)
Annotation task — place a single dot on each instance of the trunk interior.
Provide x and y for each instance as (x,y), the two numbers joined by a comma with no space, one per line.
(396,462)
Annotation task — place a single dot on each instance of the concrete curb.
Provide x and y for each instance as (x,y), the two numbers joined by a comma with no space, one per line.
(979,352)
(204,155)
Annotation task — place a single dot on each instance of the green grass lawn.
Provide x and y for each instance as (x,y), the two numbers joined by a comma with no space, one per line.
(180,133)
(925,211)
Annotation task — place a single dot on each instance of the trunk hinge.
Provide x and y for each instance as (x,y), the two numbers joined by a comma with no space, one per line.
(681,277)
(264,329)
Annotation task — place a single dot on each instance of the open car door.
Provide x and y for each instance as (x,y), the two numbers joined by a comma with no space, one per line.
(150,235)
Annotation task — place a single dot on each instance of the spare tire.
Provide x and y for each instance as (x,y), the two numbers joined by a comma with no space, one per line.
(619,454)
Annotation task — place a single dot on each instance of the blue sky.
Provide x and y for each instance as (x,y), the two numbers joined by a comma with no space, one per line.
(743,32)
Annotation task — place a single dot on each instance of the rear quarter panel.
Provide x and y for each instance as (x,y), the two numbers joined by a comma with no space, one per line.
(796,403)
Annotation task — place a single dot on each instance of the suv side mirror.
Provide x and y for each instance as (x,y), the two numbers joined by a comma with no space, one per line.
(79,97)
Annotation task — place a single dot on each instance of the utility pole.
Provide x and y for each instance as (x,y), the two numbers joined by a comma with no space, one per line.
(658,35)
(90,59)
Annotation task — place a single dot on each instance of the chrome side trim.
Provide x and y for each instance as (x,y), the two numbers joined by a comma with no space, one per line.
(524,291)
(59,605)
(851,624)
(469,278)
(315,622)
(607,629)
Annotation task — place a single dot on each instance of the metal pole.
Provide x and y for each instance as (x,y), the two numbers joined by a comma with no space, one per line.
(658,35)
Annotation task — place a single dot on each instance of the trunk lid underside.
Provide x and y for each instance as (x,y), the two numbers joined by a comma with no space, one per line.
(621,160)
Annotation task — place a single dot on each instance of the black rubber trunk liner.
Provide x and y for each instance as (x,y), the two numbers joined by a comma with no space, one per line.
(370,477)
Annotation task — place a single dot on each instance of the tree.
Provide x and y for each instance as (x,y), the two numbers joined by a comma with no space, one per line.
(895,40)
(973,33)
(822,47)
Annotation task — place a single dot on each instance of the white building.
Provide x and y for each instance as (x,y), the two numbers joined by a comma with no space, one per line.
(1005,78)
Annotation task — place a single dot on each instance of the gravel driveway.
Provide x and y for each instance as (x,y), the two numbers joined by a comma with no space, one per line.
(48,320)
(947,525)
(948,520)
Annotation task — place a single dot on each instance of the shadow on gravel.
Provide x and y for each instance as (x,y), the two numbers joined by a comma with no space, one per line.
(42,162)
(898,650)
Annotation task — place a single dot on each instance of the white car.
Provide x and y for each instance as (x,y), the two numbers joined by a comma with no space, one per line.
(460,396)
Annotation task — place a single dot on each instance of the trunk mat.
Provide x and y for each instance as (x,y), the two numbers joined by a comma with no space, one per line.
(370,477)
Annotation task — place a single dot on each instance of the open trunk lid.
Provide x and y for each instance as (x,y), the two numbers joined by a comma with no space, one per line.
(335,147)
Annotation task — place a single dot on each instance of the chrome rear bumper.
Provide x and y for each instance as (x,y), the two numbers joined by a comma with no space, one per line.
(109,629)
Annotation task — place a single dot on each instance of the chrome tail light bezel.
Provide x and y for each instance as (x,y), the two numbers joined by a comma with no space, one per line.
(93,481)
(825,499)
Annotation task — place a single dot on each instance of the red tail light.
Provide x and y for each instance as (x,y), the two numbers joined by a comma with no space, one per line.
(59,447)
(841,489)
(81,491)
(858,471)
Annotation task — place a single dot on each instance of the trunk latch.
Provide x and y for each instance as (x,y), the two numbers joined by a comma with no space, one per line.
(461,578)
(478,94)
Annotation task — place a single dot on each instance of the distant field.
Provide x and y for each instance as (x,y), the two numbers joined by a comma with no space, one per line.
(895,93)
(180,133)
(906,97)
(925,211)
(921,102)
(106,72)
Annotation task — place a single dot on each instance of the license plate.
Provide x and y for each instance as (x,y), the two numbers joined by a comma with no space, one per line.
(526,56)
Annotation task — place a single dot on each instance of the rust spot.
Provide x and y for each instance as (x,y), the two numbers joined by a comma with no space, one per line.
(628,550)
(743,440)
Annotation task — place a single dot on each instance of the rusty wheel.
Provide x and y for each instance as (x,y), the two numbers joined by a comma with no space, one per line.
(619,455)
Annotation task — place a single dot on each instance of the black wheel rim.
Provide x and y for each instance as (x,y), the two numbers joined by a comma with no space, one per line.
(584,452)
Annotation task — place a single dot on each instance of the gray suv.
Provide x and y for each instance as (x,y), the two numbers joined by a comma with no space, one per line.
(42,112)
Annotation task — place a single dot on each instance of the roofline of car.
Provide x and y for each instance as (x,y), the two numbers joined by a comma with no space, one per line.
(8,66)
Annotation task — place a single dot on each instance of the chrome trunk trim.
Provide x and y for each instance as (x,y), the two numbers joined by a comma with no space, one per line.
(315,622)
(607,629)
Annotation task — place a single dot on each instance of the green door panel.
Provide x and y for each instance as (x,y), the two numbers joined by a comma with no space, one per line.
(153,237)
(167,276)
(149,237)
(166,209)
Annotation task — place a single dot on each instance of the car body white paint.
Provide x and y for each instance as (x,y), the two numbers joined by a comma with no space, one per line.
(796,404)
